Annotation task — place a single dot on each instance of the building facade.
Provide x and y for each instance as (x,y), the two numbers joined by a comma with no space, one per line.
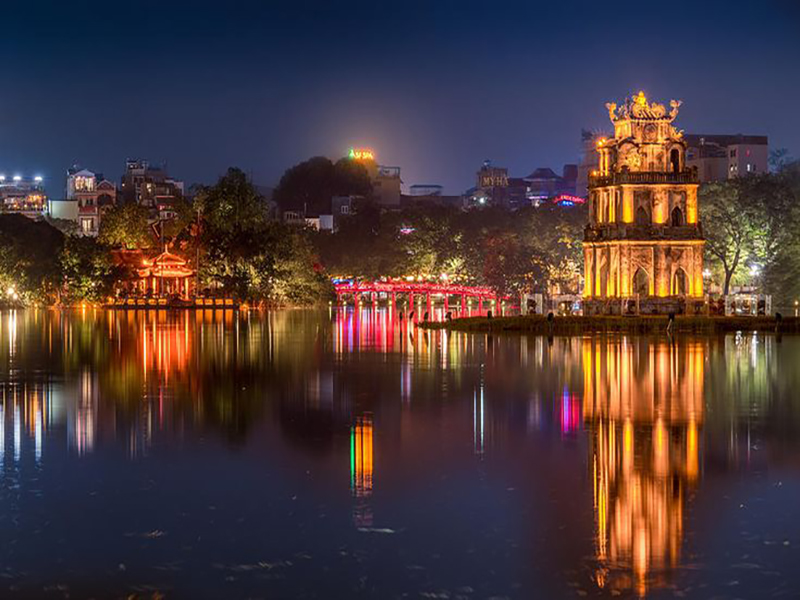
(93,194)
(588,160)
(386,186)
(149,185)
(643,247)
(386,182)
(720,157)
(491,187)
(425,189)
(23,195)
(544,183)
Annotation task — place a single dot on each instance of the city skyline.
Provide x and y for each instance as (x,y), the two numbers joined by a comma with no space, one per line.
(434,90)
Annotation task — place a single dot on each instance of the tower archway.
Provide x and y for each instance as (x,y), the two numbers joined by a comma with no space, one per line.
(641,282)
(677,217)
(675,160)
(680,283)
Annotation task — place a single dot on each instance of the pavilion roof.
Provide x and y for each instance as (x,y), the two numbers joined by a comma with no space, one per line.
(166,264)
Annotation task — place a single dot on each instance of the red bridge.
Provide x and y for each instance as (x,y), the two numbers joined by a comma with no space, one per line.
(391,289)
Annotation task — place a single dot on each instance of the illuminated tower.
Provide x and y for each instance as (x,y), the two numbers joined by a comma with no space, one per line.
(644,244)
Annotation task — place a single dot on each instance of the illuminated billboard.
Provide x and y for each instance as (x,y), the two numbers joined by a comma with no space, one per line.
(361,154)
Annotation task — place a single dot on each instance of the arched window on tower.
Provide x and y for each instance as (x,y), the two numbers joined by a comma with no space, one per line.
(642,217)
(680,283)
(603,279)
(641,283)
(675,160)
(677,217)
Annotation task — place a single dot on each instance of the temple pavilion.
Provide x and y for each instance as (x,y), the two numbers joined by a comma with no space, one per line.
(165,275)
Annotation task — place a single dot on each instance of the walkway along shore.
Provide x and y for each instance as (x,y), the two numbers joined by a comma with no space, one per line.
(634,324)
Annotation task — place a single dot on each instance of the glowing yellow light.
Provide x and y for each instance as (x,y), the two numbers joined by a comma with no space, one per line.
(640,99)
(361,154)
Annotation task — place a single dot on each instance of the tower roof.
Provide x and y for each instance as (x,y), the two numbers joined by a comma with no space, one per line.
(638,108)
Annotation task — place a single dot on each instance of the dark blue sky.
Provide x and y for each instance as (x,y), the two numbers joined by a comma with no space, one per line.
(434,87)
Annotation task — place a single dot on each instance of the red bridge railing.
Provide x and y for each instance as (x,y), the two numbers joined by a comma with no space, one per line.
(415,287)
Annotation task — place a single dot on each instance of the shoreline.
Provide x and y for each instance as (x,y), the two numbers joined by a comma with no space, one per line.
(633,324)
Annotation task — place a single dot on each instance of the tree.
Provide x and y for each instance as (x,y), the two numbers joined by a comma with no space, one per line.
(779,158)
(509,266)
(126,226)
(29,253)
(555,233)
(87,270)
(309,186)
(250,256)
(296,275)
(748,221)
(781,264)
(729,226)
(230,205)
(512,252)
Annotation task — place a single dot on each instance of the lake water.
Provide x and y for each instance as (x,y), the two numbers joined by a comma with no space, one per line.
(347,454)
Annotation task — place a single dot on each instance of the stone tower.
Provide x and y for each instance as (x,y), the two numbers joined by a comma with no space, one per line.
(643,247)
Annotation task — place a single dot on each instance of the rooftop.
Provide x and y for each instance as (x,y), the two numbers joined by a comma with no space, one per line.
(700,139)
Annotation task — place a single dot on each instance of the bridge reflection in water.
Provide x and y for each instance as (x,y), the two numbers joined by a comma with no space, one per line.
(643,407)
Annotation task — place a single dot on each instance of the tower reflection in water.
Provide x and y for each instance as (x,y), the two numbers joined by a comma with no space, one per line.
(643,407)
(361,465)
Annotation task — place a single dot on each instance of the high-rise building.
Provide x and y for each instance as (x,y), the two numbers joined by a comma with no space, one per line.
(720,157)
(643,246)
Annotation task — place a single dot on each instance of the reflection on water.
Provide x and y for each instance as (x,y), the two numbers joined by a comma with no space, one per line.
(643,404)
(615,465)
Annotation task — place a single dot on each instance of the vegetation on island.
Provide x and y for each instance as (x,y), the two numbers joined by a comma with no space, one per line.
(512,252)
(752,229)
(241,250)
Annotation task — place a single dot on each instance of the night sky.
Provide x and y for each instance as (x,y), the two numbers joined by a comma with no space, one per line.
(433,87)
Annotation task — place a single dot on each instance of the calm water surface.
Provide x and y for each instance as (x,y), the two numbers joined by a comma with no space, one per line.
(346,455)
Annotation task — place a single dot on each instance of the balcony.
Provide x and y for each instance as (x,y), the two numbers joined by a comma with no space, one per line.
(643,177)
(606,232)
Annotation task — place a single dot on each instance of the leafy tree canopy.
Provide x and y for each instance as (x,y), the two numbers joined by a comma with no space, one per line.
(29,252)
(750,225)
(250,256)
(309,186)
(126,226)
(530,249)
